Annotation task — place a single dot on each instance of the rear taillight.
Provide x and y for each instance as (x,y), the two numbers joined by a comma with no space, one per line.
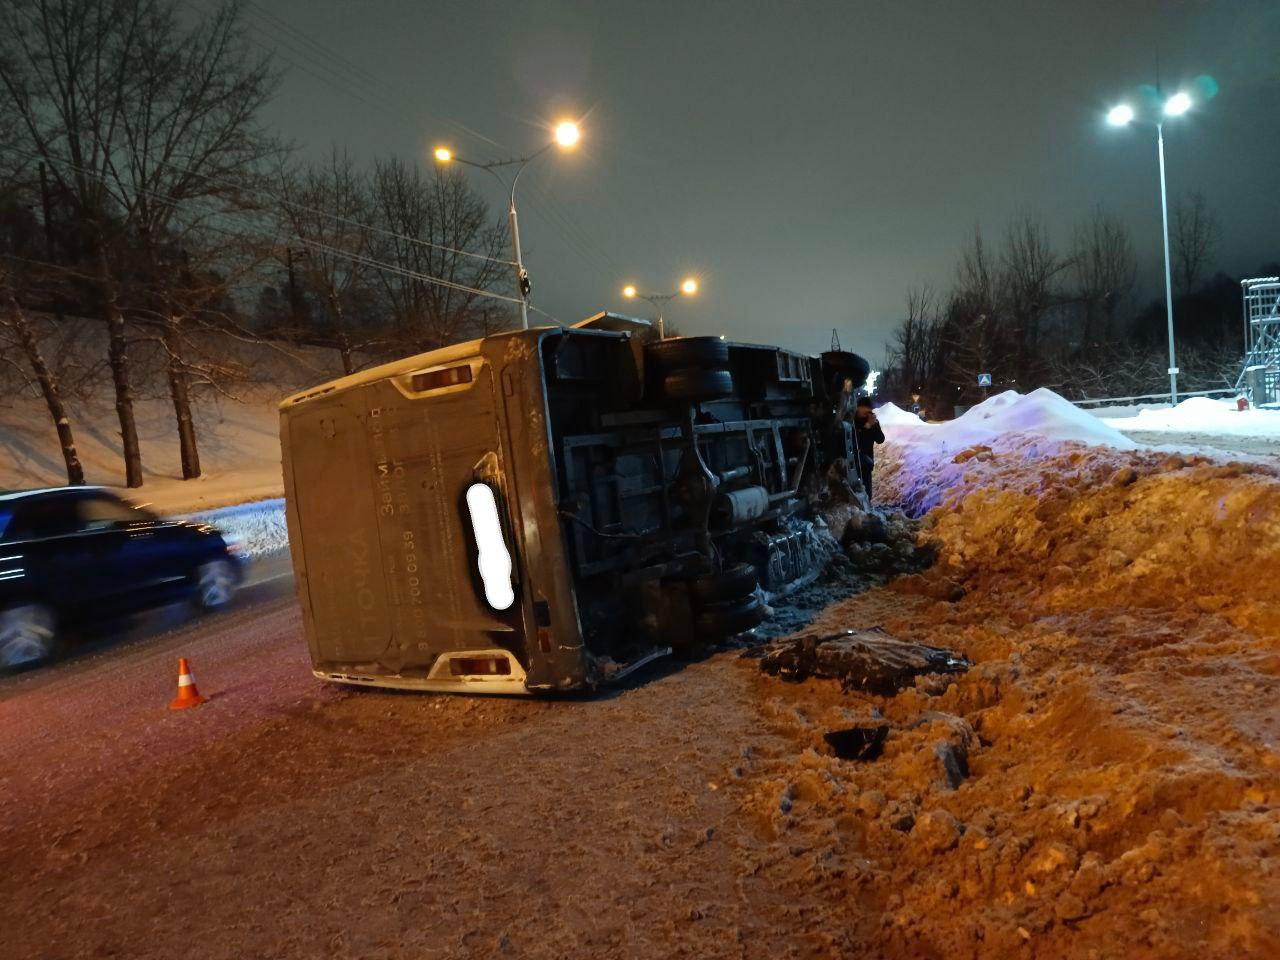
(436,379)
(480,667)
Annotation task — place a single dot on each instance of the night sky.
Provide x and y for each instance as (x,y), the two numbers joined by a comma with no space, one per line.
(808,161)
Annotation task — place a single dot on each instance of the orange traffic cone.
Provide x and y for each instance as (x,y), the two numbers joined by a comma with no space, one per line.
(188,695)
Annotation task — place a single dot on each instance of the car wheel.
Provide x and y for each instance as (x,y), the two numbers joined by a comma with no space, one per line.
(28,634)
(691,384)
(678,352)
(215,585)
(736,583)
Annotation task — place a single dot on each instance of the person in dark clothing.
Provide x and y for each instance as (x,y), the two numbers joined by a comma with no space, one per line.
(867,433)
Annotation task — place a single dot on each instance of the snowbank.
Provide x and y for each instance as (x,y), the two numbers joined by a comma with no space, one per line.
(1034,479)
(258,527)
(928,459)
(1202,415)
(1041,413)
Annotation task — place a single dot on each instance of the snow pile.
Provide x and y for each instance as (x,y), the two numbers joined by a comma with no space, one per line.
(1036,483)
(890,414)
(927,460)
(258,527)
(1041,413)
(1202,415)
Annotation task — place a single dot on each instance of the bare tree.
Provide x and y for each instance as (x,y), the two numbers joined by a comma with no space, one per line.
(19,331)
(66,73)
(435,226)
(326,208)
(1194,240)
(1105,270)
(975,333)
(1029,272)
(916,348)
(190,151)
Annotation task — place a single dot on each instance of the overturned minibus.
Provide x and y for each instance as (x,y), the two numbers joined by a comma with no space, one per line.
(546,509)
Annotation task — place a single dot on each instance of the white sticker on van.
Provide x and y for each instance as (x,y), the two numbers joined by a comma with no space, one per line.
(495,559)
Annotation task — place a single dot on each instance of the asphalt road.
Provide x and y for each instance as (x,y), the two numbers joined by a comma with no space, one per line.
(288,818)
(173,630)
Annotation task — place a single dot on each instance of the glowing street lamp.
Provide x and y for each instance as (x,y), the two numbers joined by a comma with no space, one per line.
(565,135)
(688,287)
(568,134)
(1122,115)
(1177,105)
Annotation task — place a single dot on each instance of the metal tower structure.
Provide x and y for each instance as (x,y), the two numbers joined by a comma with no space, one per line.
(1260,378)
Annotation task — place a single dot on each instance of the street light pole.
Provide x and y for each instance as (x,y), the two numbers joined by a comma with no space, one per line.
(566,136)
(688,288)
(1168,277)
(1122,115)
(658,301)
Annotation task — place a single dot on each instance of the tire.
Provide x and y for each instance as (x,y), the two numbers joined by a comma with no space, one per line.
(732,619)
(679,352)
(736,583)
(840,364)
(215,584)
(691,384)
(28,635)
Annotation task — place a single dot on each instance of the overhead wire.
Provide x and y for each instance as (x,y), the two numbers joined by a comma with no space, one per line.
(256,9)
(317,211)
(346,254)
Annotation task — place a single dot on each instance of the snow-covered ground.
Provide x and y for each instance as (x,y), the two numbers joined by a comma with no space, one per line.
(239,446)
(239,439)
(1201,415)
(1211,426)
(259,527)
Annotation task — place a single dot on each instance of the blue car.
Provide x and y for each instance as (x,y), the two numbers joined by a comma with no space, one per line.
(73,557)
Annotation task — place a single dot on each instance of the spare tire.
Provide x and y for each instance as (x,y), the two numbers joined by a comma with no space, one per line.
(730,619)
(678,352)
(841,365)
(736,583)
(691,384)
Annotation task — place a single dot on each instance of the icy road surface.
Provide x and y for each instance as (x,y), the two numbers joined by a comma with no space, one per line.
(286,818)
